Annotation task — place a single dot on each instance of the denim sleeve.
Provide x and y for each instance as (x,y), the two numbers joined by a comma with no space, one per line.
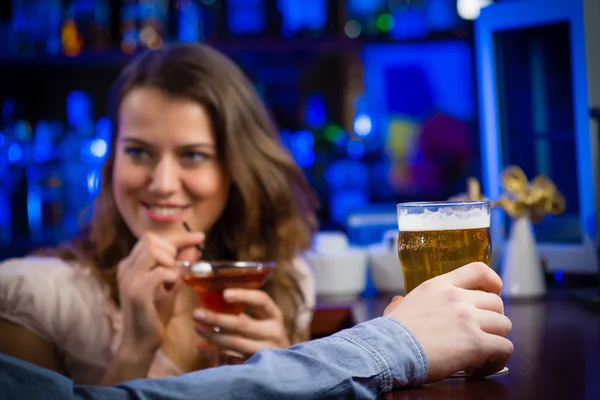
(361,363)
(20,380)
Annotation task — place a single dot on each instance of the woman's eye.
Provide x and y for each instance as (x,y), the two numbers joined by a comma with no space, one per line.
(137,153)
(194,156)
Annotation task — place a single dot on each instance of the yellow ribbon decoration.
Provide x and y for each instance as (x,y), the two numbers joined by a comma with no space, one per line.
(474,189)
(520,198)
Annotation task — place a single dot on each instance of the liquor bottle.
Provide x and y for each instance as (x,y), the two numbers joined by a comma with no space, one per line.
(190,21)
(45,185)
(74,167)
(20,152)
(85,26)
(144,24)
(36,26)
(5,186)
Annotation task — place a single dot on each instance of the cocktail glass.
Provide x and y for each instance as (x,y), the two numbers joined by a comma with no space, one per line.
(210,278)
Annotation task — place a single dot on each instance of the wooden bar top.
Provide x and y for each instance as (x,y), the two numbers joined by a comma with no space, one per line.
(557,353)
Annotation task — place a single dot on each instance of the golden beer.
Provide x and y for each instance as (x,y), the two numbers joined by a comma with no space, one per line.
(435,238)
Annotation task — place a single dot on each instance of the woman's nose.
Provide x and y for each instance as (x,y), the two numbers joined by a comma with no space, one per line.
(165,177)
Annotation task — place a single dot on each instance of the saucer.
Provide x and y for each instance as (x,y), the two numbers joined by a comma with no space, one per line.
(463,374)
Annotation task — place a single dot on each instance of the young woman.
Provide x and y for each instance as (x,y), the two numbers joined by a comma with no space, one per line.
(193,144)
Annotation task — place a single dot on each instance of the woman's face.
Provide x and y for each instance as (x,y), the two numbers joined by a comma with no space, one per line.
(166,168)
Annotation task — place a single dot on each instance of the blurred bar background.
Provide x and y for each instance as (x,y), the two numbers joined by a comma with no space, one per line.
(379,101)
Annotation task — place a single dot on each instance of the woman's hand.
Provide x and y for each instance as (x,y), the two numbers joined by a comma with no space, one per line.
(147,282)
(242,333)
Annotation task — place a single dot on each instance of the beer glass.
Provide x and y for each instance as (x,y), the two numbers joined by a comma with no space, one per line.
(438,237)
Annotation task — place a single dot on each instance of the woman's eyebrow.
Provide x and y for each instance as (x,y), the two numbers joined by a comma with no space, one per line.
(196,145)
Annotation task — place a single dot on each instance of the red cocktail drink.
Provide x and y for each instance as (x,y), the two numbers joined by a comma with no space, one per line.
(210,278)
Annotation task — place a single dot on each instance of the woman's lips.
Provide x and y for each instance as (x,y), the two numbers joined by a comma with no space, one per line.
(164,214)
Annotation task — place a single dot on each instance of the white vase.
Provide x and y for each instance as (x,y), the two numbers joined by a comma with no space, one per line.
(522,273)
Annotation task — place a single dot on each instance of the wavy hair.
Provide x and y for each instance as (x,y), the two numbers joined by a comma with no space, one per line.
(270,212)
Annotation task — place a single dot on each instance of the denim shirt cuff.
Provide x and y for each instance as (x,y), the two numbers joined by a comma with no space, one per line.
(394,348)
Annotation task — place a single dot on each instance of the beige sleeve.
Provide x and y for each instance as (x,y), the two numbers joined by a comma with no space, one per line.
(162,366)
(306,281)
(61,304)
(30,296)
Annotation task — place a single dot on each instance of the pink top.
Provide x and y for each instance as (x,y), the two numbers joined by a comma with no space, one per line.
(68,306)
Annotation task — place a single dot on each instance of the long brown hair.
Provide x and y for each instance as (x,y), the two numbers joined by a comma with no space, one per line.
(270,213)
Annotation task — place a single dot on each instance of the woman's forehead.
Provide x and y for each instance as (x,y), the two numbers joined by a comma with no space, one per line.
(159,117)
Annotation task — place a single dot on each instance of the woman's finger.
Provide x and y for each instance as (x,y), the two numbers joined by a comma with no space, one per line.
(158,276)
(157,257)
(126,269)
(151,244)
(228,341)
(189,253)
(185,239)
(262,304)
(168,289)
(146,254)
(146,245)
(240,324)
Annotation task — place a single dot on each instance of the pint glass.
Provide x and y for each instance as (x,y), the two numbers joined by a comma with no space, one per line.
(438,237)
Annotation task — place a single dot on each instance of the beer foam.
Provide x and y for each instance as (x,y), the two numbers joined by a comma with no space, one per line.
(443,220)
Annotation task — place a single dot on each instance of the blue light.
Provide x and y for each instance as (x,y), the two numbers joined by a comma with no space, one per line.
(94,150)
(418,69)
(347,174)
(355,150)
(291,13)
(315,111)
(441,15)
(302,148)
(344,202)
(304,14)
(79,108)
(22,131)
(191,20)
(93,181)
(1,139)
(34,210)
(362,125)
(558,274)
(98,148)
(104,129)
(42,149)
(315,14)
(246,16)
(14,153)
(286,138)
(410,23)
(364,9)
